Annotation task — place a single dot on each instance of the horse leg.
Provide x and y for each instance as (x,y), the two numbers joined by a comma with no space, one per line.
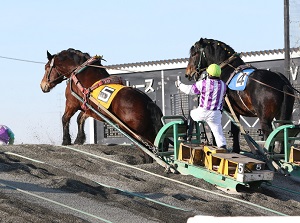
(69,112)
(236,138)
(81,118)
(266,128)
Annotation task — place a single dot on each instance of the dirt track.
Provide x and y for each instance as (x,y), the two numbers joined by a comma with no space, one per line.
(80,181)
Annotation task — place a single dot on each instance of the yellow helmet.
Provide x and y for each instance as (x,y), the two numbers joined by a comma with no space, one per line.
(214,70)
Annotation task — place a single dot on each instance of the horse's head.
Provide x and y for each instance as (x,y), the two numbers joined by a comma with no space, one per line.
(205,52)
(60,66)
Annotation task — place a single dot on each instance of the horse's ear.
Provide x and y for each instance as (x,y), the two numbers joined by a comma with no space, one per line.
(201,41)
(49,56)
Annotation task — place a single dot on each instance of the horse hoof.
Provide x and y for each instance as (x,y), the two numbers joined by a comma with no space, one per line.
(78,142)
(66,143)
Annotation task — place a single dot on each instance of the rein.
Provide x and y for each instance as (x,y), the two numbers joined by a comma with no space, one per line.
(262,83)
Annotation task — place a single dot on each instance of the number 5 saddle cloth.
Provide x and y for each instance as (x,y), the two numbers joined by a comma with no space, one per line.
(105,94)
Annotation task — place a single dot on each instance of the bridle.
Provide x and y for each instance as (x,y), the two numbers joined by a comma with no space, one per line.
(60,76)
(199,70)
(202,54)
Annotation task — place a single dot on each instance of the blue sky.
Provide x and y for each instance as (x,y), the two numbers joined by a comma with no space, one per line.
(124,32)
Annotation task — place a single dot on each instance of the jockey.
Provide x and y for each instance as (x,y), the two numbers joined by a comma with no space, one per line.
(212,92)
(6,135)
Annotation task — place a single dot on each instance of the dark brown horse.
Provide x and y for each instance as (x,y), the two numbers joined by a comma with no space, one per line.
(130,105)
(267,95)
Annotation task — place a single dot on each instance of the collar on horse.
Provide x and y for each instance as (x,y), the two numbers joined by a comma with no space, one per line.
(86,91)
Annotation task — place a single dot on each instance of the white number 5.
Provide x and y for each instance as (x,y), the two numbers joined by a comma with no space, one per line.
(105,94)
(241,168)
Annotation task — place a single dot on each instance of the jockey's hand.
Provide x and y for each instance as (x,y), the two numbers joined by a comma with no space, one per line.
(177,83)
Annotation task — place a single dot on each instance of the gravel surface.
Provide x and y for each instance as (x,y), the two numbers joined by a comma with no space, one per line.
(61,185)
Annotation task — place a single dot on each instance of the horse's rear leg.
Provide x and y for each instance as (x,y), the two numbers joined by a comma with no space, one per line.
(80,139)
(236,138)
(267,129)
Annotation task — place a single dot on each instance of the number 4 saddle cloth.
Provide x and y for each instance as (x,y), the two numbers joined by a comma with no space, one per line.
(239,77)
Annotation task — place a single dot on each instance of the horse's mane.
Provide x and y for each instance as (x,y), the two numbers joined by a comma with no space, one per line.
(203,42)
(78,56)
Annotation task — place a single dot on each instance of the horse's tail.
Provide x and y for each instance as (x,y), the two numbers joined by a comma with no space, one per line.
(288,99)
(156,115)
(288,103)
(286,109)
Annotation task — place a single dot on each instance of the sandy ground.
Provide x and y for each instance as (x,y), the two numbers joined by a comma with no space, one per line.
(68,186)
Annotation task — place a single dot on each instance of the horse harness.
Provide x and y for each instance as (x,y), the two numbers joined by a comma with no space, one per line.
(86,91)
(73,77)
(86,96)
(202,54)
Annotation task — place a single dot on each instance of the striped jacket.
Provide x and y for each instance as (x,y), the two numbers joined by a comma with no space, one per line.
(212,92)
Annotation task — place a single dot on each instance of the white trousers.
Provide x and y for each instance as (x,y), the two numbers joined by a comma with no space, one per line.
(213,119)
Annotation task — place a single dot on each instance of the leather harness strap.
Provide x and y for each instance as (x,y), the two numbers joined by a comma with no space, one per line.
(86,91)
(86,96)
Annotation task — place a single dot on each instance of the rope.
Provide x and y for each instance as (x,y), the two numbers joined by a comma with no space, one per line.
(28,61)
(110,68)
(262,83)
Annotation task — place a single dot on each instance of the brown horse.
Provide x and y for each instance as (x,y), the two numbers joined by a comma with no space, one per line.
(267,94)
(131,106)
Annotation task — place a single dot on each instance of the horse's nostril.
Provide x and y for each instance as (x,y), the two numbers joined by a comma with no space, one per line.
(186,75)
(45,87)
